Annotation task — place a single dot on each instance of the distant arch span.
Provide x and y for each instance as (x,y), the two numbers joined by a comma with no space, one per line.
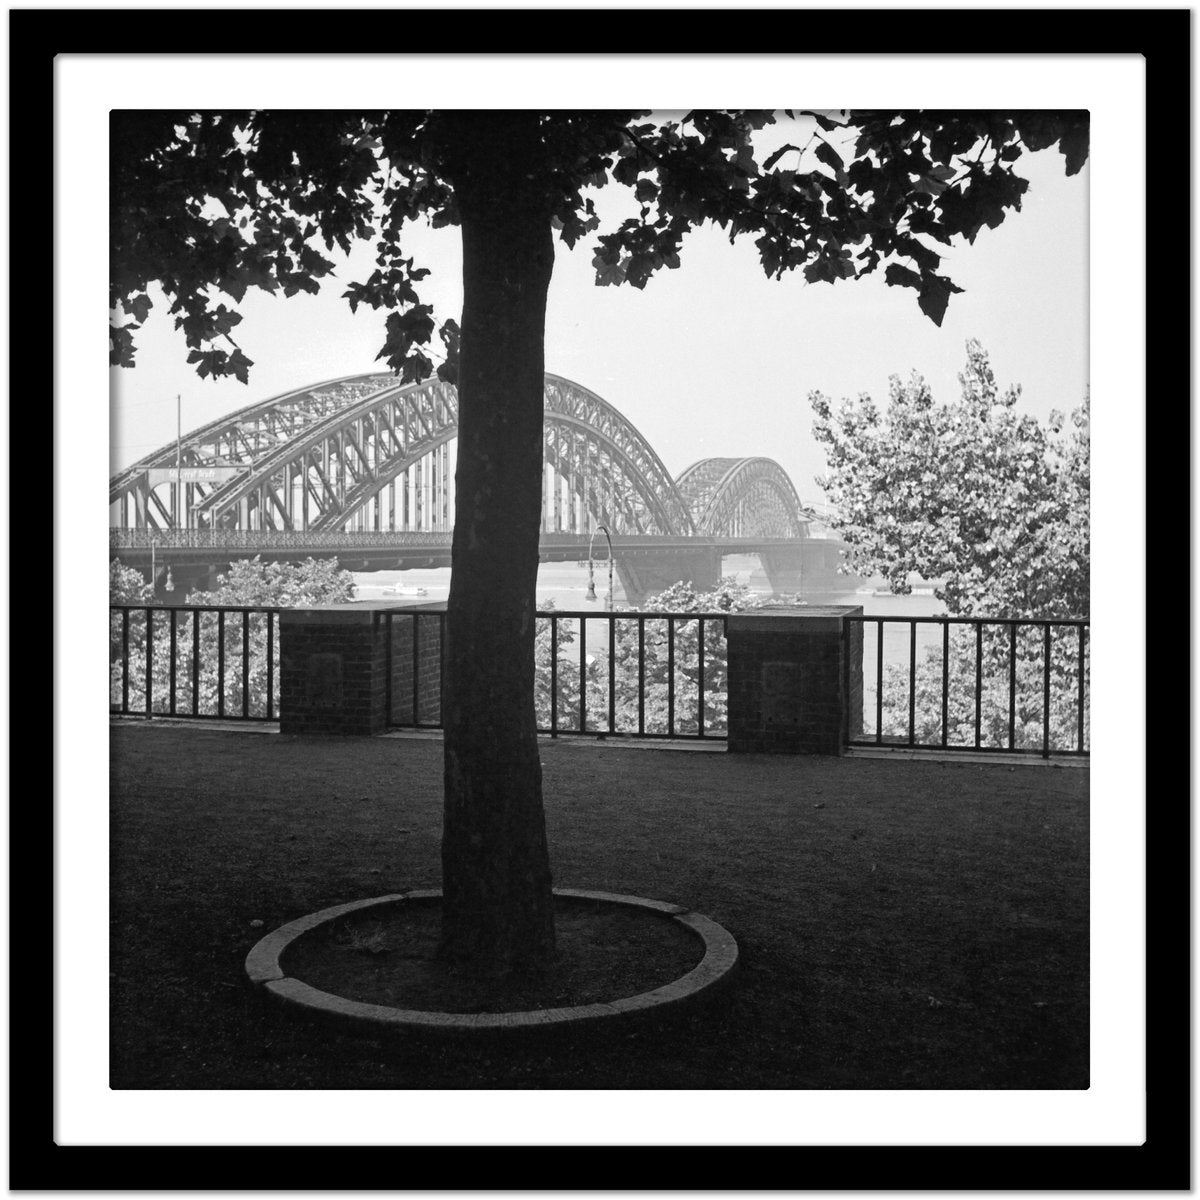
(743,497)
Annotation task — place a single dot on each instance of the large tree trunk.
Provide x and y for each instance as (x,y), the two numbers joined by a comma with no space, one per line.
(497,912)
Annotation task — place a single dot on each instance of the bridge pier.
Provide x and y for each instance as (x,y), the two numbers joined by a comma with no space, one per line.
(644,573)
(805,567)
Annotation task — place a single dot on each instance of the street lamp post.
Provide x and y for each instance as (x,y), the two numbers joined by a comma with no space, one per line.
(591,587)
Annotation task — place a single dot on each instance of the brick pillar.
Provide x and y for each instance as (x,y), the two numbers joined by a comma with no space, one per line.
(788,689)
(332,669)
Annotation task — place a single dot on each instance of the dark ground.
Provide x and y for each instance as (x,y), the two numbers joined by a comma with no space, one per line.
(902,924)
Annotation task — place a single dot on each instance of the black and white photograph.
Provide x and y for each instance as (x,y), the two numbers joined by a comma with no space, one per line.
(600,602)
(536,588)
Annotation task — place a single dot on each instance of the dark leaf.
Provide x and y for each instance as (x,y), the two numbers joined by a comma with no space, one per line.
(935,295)
(239,365)
(898,276)
(926,259)
(610,273)
(645,191)
(138,307)
(1074,146)
(1039,130)
(829,156)
(120,352)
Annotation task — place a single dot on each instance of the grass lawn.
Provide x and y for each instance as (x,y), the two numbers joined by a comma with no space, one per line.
(902,924)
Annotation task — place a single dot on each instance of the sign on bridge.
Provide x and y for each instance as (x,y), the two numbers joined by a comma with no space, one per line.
(157,475)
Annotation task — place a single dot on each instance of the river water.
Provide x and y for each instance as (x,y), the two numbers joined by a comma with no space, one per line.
(565,585)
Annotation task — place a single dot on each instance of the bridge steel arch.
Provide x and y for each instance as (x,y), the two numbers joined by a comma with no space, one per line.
(365,453)
(743,497)
(599,464)
(237,440)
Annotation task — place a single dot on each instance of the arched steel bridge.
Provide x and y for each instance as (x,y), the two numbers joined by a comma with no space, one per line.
(365,454)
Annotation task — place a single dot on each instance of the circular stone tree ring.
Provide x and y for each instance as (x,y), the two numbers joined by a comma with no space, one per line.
(264,970)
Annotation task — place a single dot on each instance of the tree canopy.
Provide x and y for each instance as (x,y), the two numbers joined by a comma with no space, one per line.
(212,204)
(126,585)
(251,582)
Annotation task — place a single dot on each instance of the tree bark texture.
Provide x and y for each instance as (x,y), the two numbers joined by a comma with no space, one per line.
(497,909)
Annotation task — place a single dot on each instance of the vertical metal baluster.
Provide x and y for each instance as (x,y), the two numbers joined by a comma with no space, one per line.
(416,664)
(978,682)
(1046,697)
(149,661)
(387,665)
(221,663)
(553,676)
(1082,632)
(912,682)
(582,674)
(171,672)
(271,668)
(124,660)
(879,682)
(945,682)
(245,662)
(670,677)
(195,662)
(1012,685)
(612,673)
(641,675)
(700,680)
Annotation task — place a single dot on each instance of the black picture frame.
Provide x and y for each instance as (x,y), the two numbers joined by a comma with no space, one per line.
(37,1162)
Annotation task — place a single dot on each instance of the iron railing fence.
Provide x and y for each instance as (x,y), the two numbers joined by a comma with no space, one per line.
(943,683)
(646,674)
(976,684)
(416,667)
(618,674)
(218,662)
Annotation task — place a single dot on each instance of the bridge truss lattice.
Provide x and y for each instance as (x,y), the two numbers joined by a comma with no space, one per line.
(364,453)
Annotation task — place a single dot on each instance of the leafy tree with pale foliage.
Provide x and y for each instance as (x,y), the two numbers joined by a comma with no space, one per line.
(973,493)
(994,505)
(209,205)
(126,585)
(253,582)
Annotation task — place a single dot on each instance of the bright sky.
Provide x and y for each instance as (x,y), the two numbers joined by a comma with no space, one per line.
(710,359)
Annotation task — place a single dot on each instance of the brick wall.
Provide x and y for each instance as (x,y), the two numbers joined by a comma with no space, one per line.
(787,680)
(331,676)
